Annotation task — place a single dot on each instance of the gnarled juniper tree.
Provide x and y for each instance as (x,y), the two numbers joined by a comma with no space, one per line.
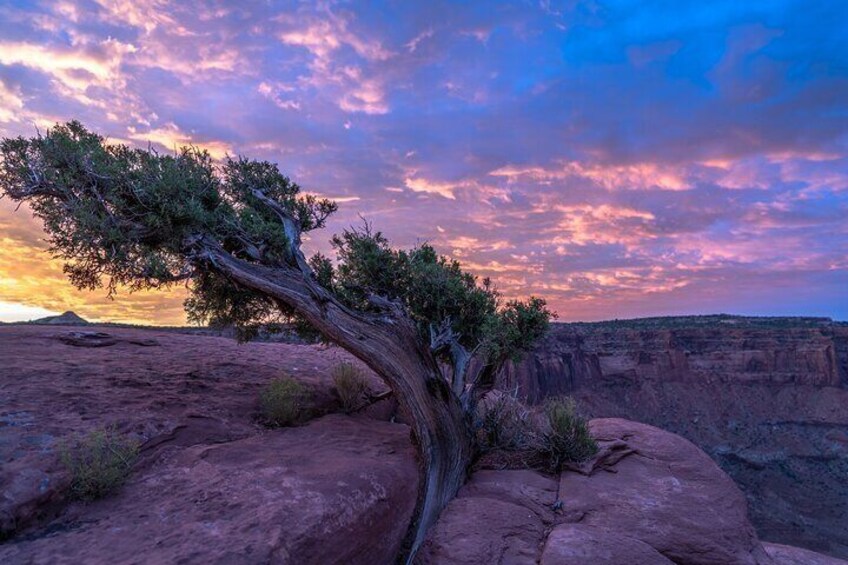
(232,233)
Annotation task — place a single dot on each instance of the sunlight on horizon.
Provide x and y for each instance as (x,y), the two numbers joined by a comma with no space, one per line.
(12,312)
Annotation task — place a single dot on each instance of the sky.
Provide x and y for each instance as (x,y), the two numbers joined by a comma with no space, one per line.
(618,158)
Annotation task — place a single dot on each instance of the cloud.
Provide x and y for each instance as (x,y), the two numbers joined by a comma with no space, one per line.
(74,68)
(617,161)
(324,34)
(444,189)
(32,281)
(274,94)
(639,176)
(11,104)
(415,41)
(604,224)
(172,138)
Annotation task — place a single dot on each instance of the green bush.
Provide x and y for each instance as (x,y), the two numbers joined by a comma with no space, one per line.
(566,437)
(98,462)
(283,402)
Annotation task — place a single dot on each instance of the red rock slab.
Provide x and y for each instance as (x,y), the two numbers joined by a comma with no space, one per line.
(668,494)
(788,555)
(498,517)
(338,490)
(573,544)
(185,390)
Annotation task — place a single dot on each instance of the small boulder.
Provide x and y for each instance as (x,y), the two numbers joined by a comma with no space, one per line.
(87,339)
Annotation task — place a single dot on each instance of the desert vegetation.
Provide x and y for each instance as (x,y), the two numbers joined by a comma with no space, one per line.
(231,231)
(351,386)
(513,435)
(98,462)
(284,402)
(565,435)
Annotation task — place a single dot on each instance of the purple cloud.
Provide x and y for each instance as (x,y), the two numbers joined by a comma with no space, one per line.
(618,158)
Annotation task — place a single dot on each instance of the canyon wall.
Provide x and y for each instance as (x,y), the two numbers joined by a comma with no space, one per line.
(767,398)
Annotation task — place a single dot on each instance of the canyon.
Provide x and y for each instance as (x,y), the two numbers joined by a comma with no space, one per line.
(766,398)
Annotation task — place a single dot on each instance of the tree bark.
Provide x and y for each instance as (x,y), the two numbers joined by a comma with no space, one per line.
(388,343)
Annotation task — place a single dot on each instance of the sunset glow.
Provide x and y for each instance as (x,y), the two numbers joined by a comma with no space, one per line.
(617,158)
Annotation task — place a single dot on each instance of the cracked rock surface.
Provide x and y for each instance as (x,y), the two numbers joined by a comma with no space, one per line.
(664,502)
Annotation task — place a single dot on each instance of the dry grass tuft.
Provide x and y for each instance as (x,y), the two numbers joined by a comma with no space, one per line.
(99,462)
(351,386)
(513,435)
(283,402)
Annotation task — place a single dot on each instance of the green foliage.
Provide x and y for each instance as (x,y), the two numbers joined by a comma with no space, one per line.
(516,327)
(130,216)
(98,462)
(350,385)
(433,289)
(284,402)
(134,217)
(567,437)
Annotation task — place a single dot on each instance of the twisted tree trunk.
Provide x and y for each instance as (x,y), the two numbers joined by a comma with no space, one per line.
(385,340)
(388,343)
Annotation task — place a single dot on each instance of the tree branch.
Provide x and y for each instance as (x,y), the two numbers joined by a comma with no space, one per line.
(446,338)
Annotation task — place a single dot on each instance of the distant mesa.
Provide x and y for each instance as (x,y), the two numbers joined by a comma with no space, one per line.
(67,319)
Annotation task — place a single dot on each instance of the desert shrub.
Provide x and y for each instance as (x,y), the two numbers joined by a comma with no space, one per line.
(350,384)
(512,435)
(566,437)
(504,423)
(99,462)
(283,402)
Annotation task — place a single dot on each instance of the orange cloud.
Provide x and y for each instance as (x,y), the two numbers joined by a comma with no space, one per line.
(606,224)
(639,176)
(30,278)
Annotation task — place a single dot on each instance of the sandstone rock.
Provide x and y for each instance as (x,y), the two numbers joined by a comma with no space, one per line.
(190,390)
(664,501)
(573,544)
(498,517)
(339,490)
(767,399)
(788,555)
(668,494)
(101,339)
(87,339)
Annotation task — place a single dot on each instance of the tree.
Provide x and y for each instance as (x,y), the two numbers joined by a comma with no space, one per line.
(232,233)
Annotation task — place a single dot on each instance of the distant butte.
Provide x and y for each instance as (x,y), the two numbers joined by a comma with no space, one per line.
(69,318)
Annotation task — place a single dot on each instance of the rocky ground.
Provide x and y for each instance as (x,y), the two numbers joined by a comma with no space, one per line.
(766,398)
(214,486)
(652,498)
